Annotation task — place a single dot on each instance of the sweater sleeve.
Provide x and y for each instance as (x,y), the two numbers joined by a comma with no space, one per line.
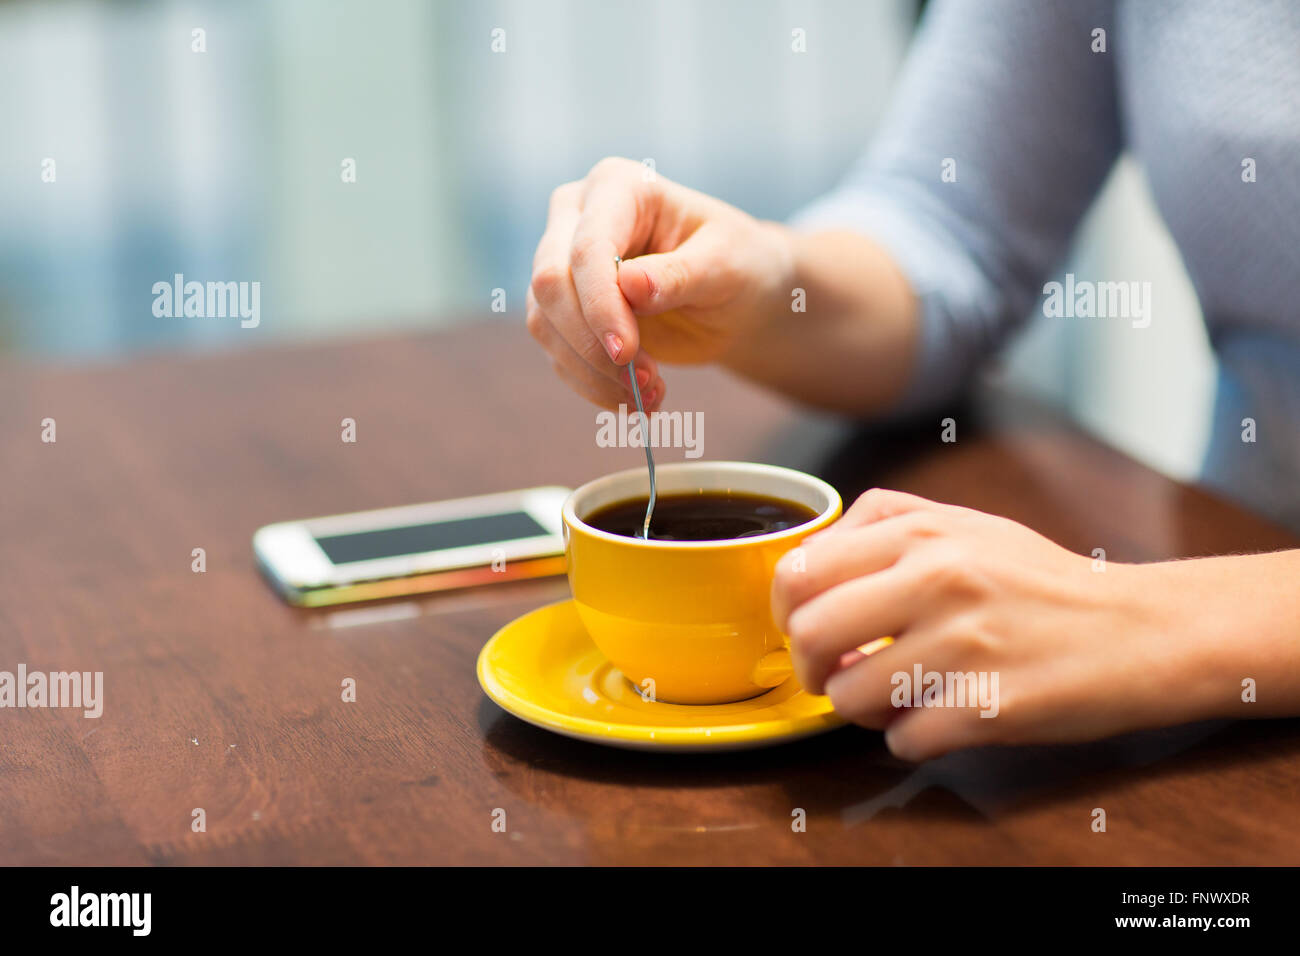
(1002,129)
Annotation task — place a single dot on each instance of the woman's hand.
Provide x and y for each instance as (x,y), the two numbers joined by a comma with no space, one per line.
(1072,649)
(697,276)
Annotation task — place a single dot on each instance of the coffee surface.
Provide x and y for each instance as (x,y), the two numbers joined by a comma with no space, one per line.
(702,516)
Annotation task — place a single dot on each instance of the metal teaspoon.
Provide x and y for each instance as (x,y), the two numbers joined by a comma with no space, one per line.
(645,431)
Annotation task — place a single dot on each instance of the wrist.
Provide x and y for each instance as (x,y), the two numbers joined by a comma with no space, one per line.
(1184,650)
(779,288)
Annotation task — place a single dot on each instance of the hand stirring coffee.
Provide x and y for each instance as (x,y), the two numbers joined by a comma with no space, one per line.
(645,429)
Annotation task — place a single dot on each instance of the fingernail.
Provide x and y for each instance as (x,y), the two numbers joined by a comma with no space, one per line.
(642,377)
(613,345)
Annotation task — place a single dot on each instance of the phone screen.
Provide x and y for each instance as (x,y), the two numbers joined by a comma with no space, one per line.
(434,536)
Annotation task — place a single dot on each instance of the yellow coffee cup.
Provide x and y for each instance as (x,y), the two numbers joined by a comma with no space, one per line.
(689,622)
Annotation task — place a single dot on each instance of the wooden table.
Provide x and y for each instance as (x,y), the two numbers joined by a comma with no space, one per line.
(219,696)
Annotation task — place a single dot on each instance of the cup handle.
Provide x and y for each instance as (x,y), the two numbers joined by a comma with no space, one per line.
(773,669)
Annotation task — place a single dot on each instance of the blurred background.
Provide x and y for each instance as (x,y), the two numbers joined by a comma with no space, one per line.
(225,163)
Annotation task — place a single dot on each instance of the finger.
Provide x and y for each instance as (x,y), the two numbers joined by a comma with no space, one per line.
(578,374)
(652,398)
(886,690)
(923,733)
(695,273)
(863,691)
(848,616)
(562,216)
(882,692)
(585,380)
(823,561)
(553,289)
(878,504)
(553,295)
(605,230)
(539,323)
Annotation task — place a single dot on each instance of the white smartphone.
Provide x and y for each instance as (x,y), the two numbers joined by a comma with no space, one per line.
(415,548)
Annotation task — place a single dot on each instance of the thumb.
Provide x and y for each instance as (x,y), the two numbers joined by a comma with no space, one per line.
(664,281)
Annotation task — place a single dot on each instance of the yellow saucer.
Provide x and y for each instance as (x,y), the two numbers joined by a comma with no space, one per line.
(544,669)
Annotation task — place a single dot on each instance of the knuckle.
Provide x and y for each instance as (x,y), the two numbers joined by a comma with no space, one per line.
(610,166)
(564,194)
(674,275)
(947,569)
(873,504)
(585,250)
(547,282)
(921,525)
(971,638)
(590,351)
(537,325)
(869,499)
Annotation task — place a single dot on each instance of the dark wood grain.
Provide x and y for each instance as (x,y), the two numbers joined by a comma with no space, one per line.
(220,696)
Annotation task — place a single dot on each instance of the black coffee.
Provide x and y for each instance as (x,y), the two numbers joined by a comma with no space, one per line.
(702,516)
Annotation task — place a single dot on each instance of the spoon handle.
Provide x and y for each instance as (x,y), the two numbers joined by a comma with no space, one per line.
(645,439)
(645,431)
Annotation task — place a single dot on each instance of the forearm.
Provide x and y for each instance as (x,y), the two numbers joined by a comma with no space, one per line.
(852,346)
(1228,621)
